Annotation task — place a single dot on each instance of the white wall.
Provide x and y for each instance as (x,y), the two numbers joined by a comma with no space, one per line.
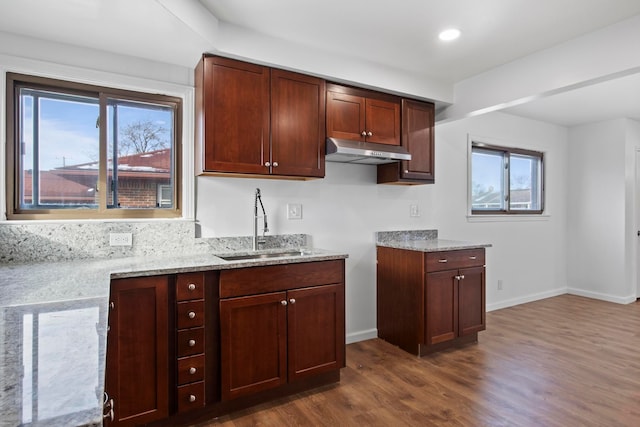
(344,210)
(528,253)
(601,234)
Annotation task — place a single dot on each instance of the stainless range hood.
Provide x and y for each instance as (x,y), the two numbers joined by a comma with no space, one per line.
(364,153)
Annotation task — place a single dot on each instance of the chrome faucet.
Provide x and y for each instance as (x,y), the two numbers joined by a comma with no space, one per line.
(256,240)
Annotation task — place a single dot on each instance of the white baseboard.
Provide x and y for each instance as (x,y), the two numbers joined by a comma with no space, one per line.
(527,298)
(601,296)
(362,335)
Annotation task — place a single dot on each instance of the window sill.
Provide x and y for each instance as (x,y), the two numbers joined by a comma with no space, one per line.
(508,218)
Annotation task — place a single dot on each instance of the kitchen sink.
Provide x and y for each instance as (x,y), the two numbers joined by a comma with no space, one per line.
(262,255)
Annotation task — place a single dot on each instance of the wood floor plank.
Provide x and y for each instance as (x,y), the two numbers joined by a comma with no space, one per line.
(562,361)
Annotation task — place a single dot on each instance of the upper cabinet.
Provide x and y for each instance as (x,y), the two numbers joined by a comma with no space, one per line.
(255,120)
(418,139)
(362,115)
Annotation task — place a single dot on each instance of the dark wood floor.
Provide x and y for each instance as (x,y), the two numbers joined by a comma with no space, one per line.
(563,361)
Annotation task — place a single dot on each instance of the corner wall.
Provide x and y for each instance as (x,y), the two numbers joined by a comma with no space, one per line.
(601,234)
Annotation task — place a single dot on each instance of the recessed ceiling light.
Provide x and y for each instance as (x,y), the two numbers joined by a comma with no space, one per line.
(449,34)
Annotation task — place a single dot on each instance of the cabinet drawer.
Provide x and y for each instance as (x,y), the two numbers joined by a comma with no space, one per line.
(448,260)
(190,314)
(191,396)
(190,369)
(274,278)
(190,342)
(189,286)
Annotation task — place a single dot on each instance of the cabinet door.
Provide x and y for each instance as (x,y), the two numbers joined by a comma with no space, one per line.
(236,108)
(471,300)
(253,333)
(382,122)
(345,116)
(316,333)
(137,377)
(441,306)
(417,138)
(297,124)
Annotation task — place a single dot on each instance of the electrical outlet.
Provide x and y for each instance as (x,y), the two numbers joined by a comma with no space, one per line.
(500,284)
(414,211)
(294,211)
(120,239)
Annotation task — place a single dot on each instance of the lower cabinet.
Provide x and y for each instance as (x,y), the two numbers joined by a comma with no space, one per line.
(430,301)
(191,346)
(275,338)
(137,370)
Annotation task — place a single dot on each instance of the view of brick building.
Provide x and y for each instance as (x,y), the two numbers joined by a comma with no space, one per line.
(143,181)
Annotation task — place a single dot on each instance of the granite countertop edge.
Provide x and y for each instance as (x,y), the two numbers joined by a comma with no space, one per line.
(432,245)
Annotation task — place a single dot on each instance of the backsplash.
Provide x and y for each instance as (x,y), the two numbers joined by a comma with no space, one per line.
(67,241)
(405,235)
(41,242)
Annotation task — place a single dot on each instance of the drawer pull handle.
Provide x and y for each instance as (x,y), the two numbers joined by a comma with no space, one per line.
(473,257)
(192,315)
(191,287)
(192,370)
(192,343)
(443,261)
(192,398)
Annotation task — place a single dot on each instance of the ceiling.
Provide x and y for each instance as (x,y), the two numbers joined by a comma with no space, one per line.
(398,34)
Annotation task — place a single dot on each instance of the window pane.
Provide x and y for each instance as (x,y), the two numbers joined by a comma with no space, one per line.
(59,151)
(524,182)
(140,141)
(487,180)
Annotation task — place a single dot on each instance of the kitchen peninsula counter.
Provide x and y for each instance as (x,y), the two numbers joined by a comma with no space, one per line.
(52,361)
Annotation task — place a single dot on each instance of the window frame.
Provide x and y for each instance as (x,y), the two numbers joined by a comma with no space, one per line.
(506,152)
(13,211)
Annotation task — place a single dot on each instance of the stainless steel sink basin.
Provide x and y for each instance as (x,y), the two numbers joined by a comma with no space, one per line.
(261,255)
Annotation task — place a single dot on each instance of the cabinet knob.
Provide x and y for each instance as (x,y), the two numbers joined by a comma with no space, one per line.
(275,164)
(192,370)
(192,398)
(473,257)
(369,133)
(267,164)
(192,343)
(442,261)
(283,302)
(406,171)
(192,315)
(363,133)
(292,300)
(462,277)
(191,287)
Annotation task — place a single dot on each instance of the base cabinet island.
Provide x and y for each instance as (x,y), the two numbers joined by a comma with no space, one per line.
(430,292)
(187,347)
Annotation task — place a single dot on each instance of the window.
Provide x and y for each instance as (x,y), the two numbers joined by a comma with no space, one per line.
(80,151)
(506,180)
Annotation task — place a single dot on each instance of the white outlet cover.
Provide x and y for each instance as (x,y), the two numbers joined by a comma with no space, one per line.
(294,211)
(120,239)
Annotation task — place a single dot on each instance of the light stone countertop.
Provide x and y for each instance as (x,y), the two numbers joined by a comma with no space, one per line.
(423,241)
(51,358)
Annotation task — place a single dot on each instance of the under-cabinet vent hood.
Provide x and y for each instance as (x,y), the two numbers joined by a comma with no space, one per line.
(364,153)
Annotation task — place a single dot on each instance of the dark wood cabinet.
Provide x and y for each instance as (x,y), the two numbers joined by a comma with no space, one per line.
(418,139)
(256,120)
(429,301)
(362,115)
(191,346)
(138,370)
(288,335)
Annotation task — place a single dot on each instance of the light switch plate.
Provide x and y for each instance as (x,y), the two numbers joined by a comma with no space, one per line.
(414,211)
(294,211)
